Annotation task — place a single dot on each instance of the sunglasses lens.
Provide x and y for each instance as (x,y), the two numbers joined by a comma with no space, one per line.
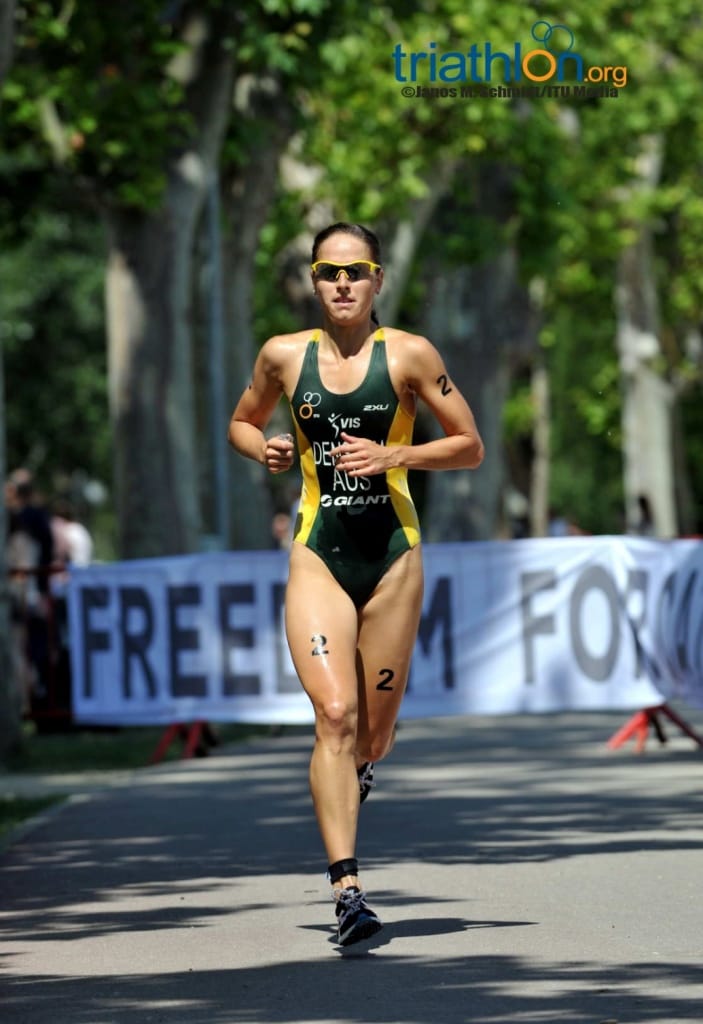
(332,271)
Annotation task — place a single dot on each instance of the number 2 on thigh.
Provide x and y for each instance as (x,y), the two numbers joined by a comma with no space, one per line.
(386,675)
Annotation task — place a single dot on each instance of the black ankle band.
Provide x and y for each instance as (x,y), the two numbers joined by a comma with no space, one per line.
(340,868)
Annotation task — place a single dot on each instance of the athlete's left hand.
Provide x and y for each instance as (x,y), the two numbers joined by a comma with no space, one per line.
(357,456)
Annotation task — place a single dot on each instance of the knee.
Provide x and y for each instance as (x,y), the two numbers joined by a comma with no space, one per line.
(336,720)
(375,748)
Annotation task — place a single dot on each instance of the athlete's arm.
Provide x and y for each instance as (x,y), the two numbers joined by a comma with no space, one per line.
(424,374)
(427,376)
(256,407)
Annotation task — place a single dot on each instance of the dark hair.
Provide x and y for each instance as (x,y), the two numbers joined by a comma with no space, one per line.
(358,231)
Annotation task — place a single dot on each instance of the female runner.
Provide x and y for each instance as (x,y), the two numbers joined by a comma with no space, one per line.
(355,584)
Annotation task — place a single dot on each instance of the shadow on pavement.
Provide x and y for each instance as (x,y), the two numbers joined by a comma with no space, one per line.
(376,990)
(512,793)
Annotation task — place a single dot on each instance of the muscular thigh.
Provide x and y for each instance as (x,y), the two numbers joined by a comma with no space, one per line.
(388,626)
(321,625)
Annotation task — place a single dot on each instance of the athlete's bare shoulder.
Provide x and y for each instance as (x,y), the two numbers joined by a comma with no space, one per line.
(281,357)
(410,355)
(282,347)
(404,340)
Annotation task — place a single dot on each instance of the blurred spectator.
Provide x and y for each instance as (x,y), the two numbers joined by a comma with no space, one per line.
(73,544)
(644,526)
(29,556)
(29,517)
(560,526)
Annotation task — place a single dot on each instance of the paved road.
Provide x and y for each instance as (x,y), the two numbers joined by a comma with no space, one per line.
(525,874)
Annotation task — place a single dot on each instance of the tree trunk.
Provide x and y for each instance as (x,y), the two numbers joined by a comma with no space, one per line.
(686,506)
(10,702)
(400,252)
(7,35)
(479,316)
(647,397)
(248,195)
(151,394)
(539,477)
(149,282)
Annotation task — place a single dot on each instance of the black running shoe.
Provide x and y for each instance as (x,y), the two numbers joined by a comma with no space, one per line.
(365,776)
(355,918)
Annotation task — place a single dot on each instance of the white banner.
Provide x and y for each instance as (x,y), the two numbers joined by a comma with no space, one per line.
(520,626)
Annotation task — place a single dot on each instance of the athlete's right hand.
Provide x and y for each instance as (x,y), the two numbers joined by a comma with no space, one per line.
(279,453)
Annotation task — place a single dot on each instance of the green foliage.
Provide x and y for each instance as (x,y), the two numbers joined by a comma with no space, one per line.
(52,330)
(519,412)
(272,311)
(96,86)
(571,164)
(691,411)
(99,89)
(586,470)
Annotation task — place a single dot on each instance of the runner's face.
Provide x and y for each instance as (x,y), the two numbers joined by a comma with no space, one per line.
(346,301)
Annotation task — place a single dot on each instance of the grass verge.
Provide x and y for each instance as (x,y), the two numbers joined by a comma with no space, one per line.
(15,810)
(84,750)
(88,750)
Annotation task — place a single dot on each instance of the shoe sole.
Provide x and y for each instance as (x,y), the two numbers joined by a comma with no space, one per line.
(363,931)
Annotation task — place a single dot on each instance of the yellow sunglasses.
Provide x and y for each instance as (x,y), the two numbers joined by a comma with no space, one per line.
(357,270)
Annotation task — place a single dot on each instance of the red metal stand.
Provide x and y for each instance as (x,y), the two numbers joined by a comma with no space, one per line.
(190,733)
(641,722)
